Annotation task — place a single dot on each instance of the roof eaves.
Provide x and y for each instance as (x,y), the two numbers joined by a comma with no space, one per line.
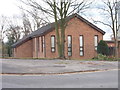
(41,31)
(49,27)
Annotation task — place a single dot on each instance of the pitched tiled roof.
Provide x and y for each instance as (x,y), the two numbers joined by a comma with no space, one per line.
(45,29)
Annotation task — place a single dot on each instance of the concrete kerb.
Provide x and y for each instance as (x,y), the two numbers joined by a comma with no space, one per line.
(63,73)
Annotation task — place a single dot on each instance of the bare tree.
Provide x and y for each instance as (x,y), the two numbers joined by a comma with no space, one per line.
(11,31)
(59,10)
(2,30)
(35,17)
(2,27)
(27,28)
(14,33)
(110,13)
(13,28)
(31,21)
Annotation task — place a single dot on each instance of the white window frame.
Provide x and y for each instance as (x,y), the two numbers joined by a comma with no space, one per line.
(81,45)
(52,43)
(95,41)
(69,45)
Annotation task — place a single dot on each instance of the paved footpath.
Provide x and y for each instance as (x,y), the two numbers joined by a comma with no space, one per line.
(27,66)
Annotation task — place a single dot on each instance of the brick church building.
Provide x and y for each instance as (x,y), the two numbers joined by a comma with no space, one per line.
(81,40)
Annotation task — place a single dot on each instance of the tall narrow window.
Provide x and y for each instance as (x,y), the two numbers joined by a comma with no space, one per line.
(38,45)
(42,43)
(36,39)
(53,43)
(81,45)
(69,45)
(95,41)
(34,44)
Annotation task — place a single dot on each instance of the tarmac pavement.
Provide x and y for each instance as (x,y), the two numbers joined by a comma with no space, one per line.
(30,66)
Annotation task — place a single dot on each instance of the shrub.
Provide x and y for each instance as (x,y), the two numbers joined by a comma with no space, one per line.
(102,57)
(102,48)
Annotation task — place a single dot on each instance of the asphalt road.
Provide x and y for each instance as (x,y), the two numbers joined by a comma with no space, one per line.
(105,79)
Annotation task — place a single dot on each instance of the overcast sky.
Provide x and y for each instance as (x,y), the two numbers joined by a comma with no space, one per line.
(9,8)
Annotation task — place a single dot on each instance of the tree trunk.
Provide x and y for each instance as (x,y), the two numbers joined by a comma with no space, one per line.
(62,45)
(116,48)
(63,38)
(58,40)
(57,32)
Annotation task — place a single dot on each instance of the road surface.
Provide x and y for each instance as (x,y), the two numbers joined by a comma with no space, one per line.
(104,79)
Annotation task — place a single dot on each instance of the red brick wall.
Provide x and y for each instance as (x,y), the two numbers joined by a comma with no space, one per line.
(112,44)
(33,47)
(38,53)
(24,50)
(76,28)
(41,53)
(50,54)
